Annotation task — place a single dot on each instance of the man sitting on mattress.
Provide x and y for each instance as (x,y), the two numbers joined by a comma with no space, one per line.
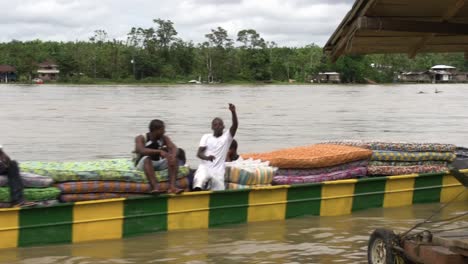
(11,168)
(212,151)
(156,151)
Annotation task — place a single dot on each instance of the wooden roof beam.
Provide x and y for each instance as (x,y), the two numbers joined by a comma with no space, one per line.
(335,46)
(451,12)
(423,41)
(388,24)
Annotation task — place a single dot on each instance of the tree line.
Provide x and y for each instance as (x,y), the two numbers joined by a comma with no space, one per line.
(158,55)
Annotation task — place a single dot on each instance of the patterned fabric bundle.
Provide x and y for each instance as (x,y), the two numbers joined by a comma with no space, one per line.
(407,163)
(396,146)
(114,186)
(110,170)
(259,175)
(243,174)
(32,194)
(30,180)
(314,156)
(235,186)
(401,170)
(308,172)
(412,156)
(337,175)
(95,196)
(394,158)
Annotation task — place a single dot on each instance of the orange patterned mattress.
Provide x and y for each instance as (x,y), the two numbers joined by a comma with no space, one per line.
(313,156)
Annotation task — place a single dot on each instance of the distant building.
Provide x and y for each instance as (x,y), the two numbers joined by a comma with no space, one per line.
(437,74)
(442,73)
(48,71)
(423,76)
(7,73)
(328,77)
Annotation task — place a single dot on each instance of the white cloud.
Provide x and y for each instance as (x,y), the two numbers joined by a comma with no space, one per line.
(289,23)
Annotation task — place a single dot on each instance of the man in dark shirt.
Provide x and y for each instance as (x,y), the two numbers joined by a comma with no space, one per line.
(232,152)
(156,151)
(11,168)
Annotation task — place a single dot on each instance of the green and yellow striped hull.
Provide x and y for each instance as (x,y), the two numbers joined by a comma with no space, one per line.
(120,218)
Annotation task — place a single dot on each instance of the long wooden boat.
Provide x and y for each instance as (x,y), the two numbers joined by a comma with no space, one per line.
(121,218)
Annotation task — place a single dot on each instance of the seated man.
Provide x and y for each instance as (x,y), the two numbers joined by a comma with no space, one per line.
(232,152)
(156,151)
(10,167)
(212,151)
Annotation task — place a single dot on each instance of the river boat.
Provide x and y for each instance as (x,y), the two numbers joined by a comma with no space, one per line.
(126,217)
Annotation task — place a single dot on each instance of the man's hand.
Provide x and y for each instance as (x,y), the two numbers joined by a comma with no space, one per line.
(211,158)
(232,108)
(163,154)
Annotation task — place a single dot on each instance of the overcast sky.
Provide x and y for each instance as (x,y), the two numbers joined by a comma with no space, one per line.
(286,22)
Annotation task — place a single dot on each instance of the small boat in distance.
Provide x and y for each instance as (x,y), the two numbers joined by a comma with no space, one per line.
(37,81)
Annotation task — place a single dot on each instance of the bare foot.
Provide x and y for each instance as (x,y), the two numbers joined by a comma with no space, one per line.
(175,190)
(24,204)
(156,191)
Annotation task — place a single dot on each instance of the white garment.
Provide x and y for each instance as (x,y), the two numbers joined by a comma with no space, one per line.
(218,147)
(213,170)
(202,176)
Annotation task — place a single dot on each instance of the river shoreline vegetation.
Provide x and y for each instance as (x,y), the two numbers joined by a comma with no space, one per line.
(158,55)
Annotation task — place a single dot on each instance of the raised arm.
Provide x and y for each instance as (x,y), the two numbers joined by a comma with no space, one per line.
(235,122)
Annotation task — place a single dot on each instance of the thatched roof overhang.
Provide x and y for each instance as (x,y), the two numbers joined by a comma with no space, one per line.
(401,26)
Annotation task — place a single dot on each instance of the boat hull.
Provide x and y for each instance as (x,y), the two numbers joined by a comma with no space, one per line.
(120,218)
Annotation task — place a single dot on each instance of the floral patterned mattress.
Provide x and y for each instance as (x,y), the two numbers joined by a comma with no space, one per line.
(110,170)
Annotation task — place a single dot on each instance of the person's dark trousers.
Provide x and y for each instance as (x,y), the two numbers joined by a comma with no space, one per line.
(15,183)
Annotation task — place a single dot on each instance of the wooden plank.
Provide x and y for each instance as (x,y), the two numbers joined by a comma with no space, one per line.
(341,42)
(453,9)
(420,25)
(421,8)
(409,40)
(405,49)
(385,41)
(384,24)
(445,48)
(449,13)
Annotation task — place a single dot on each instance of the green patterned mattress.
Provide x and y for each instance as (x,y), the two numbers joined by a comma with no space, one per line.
(378,155)
(31,194)
(100,170)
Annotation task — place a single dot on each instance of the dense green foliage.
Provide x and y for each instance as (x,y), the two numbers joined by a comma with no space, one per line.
(157,55)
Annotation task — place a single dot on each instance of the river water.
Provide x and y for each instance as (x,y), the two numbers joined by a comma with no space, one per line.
(52,122)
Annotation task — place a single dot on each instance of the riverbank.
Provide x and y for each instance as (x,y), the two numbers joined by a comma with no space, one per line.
(165,83)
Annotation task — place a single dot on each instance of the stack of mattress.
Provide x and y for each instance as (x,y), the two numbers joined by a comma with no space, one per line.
(395,158)
(246,174)
(315,163)
(103,179)
(37,188)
